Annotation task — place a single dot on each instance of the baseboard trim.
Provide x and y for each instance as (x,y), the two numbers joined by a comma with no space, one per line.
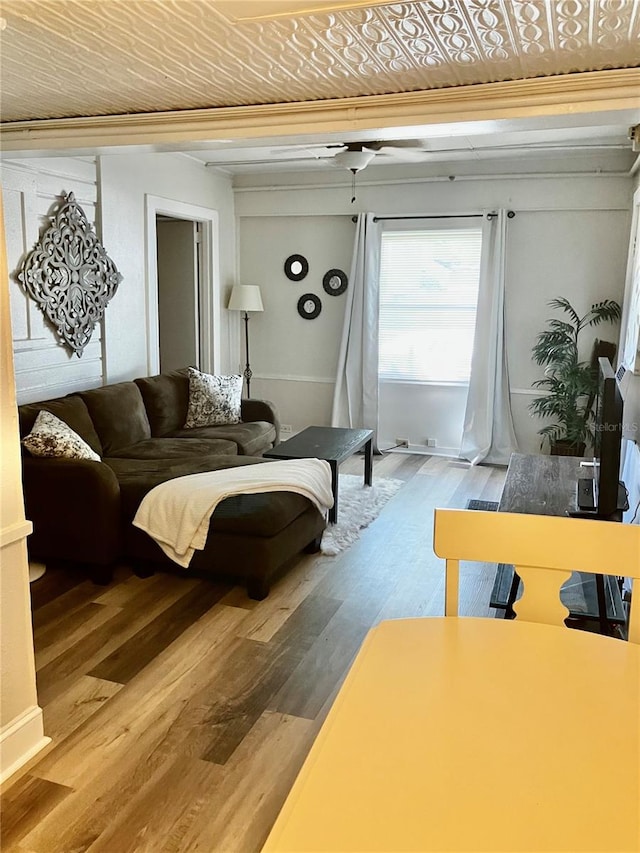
(420,450)
(21,740)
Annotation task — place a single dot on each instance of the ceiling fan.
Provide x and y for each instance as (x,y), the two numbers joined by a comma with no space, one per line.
(355,156)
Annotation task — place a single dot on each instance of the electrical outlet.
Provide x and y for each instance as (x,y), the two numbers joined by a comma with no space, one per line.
(286,429)
(402,442)
(431,442)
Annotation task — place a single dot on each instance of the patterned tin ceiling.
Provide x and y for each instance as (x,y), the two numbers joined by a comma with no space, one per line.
(66,58)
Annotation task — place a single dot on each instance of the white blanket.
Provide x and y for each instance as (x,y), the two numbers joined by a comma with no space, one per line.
(176,513)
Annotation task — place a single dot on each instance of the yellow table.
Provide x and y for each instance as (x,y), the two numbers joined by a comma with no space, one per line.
(475,735)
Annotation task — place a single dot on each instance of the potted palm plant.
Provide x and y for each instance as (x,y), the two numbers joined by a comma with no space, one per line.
(570,384)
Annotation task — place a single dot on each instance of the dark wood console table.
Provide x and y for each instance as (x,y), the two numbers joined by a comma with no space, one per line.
(546,485)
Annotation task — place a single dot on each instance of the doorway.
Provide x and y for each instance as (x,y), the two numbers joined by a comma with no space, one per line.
(182,285)
(178,243)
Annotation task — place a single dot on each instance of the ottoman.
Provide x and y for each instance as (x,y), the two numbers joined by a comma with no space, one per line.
(252,538)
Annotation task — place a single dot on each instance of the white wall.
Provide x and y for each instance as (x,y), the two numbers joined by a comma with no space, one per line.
(112,193)
(577,253)
(43,367)
(125,180)
(631,449)
(420,412)
(569,237)
(294,360)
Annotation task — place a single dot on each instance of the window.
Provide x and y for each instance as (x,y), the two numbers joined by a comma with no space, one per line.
(428,297)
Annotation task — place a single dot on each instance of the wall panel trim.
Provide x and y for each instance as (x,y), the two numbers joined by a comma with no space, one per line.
(15,532)
(283,377)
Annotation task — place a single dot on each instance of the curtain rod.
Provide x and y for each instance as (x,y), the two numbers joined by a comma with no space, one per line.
(510,214)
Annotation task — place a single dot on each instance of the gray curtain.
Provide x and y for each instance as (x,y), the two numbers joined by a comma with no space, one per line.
(355,400)
(488,434)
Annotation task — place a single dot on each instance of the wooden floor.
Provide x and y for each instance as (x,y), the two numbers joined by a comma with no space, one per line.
(181,711)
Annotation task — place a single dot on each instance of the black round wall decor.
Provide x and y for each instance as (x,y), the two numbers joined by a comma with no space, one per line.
(296,267)
(309,306)
(335,282)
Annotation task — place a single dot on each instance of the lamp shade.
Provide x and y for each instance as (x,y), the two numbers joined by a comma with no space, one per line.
(245,297)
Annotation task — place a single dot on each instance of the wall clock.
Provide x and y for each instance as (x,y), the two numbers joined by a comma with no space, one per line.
(309,306)
(296,267)
(335,282)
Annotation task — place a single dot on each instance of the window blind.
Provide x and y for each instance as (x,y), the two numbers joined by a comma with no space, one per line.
(428,298)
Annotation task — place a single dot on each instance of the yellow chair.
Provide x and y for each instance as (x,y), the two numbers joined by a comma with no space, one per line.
(544,551)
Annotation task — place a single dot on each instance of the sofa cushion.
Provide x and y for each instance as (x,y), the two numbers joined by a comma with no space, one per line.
(251,438)
(118,414)
(213,400)
(263,514)
(177,448)
(166,399)
(52,438)
(138,476)
(72,410)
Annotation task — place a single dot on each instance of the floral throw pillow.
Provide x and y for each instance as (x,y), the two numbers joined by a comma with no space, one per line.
(53,438)
(213,400)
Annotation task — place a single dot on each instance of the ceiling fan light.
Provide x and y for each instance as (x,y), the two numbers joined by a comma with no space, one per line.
(355,161)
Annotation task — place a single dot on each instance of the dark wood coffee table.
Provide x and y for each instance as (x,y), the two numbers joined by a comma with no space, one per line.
(333,444)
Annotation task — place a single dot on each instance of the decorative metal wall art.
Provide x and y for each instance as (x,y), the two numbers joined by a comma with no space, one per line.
(70,275)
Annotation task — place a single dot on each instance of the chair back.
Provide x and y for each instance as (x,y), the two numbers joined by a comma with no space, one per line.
(544,550)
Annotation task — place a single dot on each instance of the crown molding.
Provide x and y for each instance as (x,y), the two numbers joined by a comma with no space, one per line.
(570,94)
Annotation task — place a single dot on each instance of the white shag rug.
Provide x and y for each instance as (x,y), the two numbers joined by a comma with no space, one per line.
(358,505)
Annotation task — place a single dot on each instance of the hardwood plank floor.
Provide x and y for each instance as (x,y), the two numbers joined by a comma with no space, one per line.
(181,711)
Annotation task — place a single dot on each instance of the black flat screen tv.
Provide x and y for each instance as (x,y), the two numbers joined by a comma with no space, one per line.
(605,495)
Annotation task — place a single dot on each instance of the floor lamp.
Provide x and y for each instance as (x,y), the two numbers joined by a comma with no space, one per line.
(246,297)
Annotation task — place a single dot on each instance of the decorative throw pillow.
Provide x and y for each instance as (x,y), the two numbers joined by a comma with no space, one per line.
(213,400)
(52,437)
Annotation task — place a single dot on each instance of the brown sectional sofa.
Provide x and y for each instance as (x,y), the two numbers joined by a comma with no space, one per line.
(82,510)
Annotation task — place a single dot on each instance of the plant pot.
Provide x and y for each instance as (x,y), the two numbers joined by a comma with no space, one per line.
(566,448)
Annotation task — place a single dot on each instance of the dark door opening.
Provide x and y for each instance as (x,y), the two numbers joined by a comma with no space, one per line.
(179,265)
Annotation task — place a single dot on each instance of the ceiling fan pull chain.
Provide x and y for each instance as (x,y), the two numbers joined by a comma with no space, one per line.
(353,185)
